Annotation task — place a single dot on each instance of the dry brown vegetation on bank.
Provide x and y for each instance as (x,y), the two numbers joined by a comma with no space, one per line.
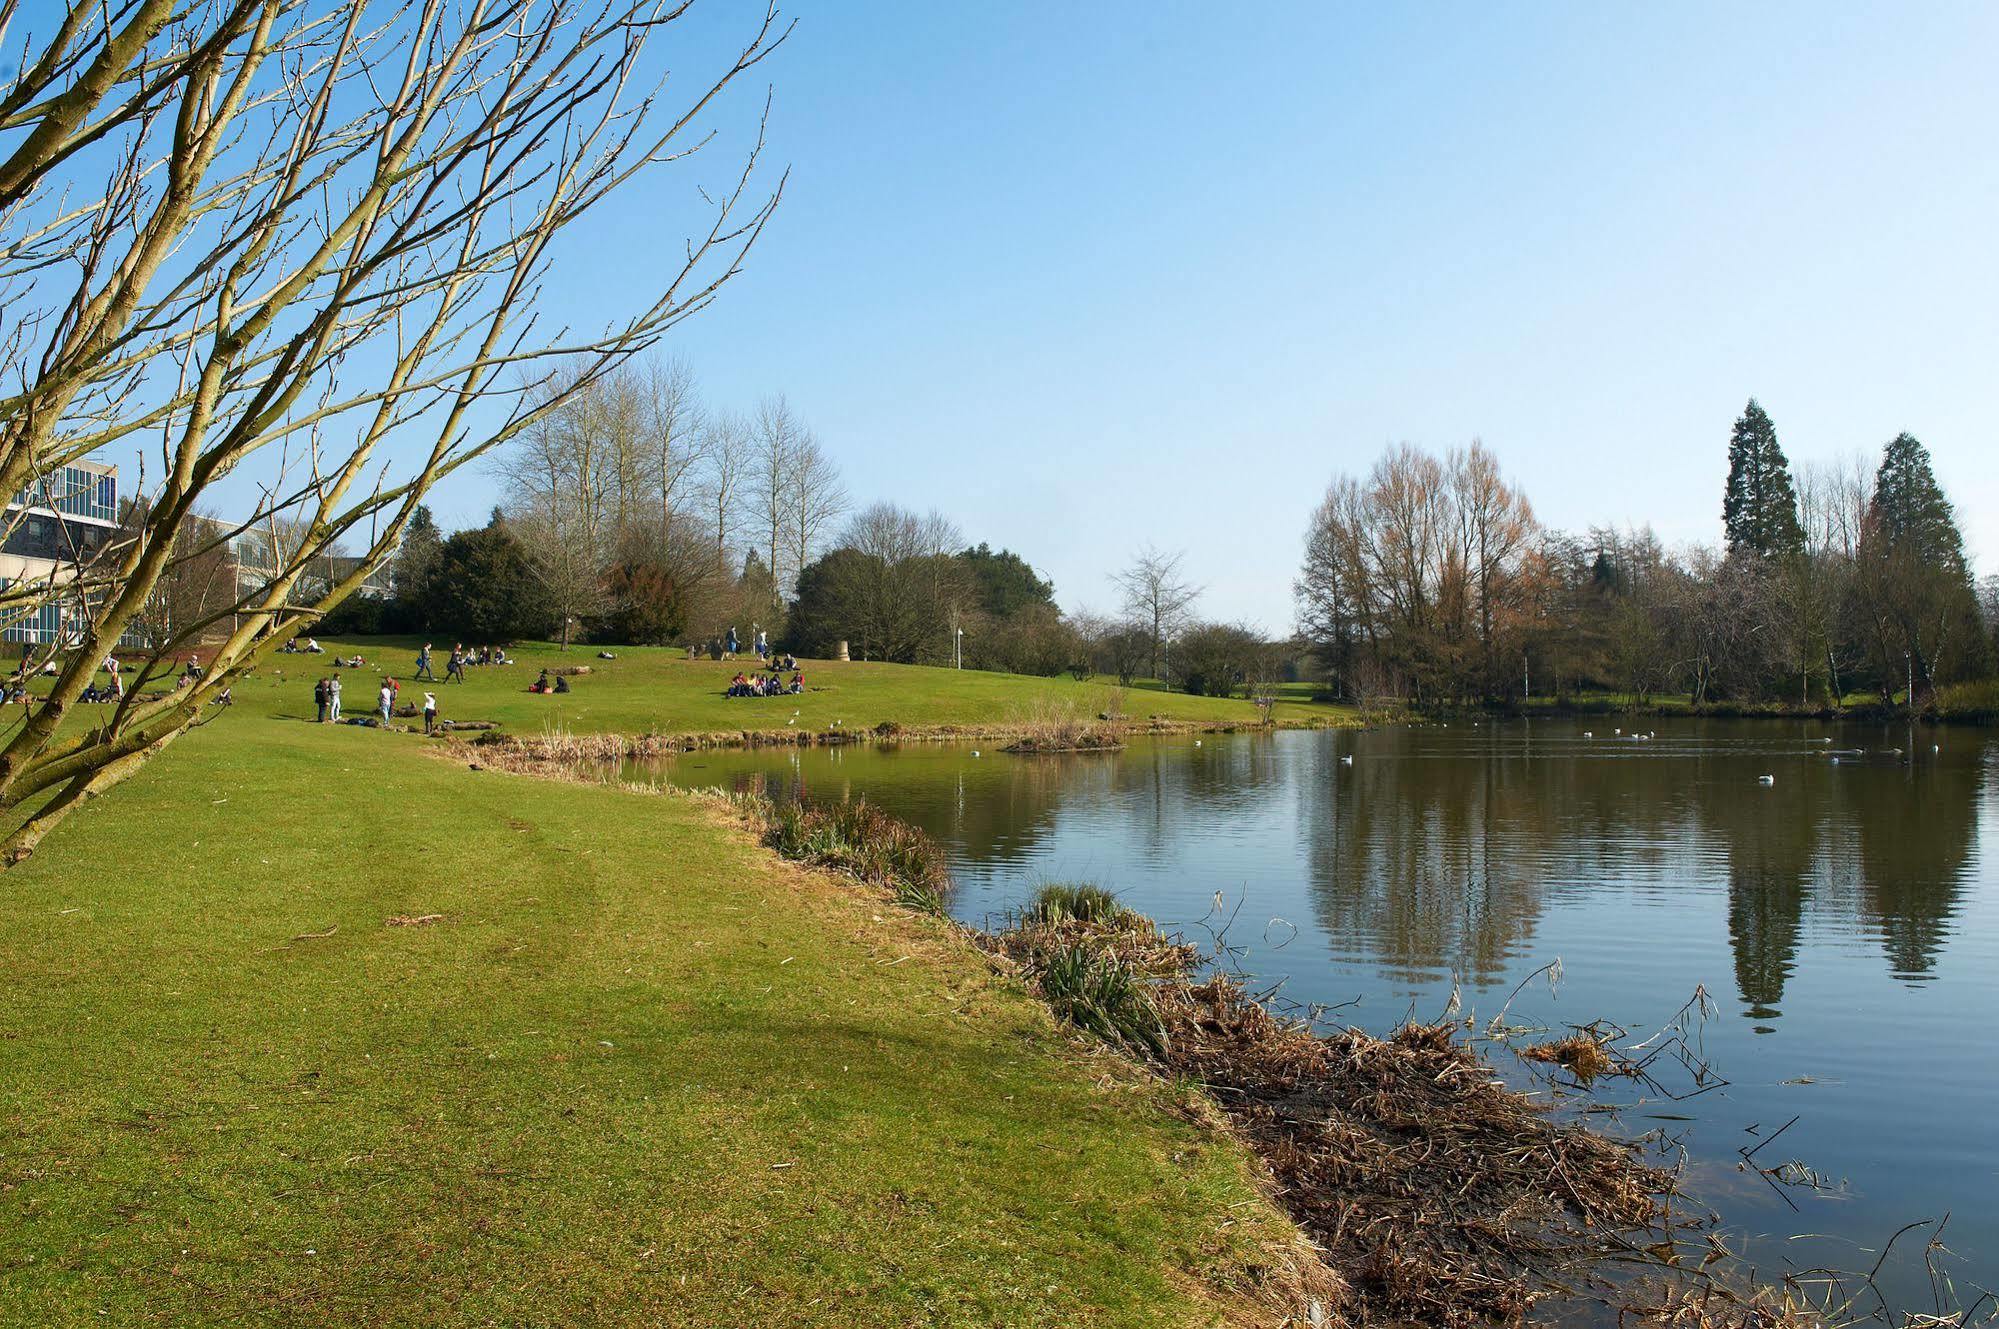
(1437,1194)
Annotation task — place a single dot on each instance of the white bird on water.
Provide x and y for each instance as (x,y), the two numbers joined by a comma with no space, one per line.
(1766,779)
(1588,734)
(1346,761)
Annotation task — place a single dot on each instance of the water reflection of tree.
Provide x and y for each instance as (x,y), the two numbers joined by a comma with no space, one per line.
(1768,838)
(1436,854)
(1917,829)
(1409,856)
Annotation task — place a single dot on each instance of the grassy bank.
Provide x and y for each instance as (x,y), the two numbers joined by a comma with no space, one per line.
(656,690)
(303,1028)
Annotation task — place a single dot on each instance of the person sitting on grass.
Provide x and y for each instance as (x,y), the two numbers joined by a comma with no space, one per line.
(540,684)
(561,683)
(797,683)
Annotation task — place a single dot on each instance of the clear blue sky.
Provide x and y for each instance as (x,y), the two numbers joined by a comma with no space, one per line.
(1086,276)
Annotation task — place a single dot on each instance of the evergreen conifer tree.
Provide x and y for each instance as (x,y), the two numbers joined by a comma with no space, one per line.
(1759,508)
(1913,584)
(1914,515)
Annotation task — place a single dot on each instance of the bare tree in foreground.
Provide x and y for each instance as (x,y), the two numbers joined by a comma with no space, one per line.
(1156,597)
(297,231)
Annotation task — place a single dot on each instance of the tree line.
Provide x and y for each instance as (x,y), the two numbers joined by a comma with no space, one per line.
(1429,578)
(632,513)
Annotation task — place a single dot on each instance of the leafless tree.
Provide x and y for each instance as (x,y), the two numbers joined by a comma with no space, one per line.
(250,228)
(676,437)
(895,534)
(777,439)
(1156,596)
(1425,564)
(1494,525)
(814,500)
(1832,507)
(895,589)
(725,455)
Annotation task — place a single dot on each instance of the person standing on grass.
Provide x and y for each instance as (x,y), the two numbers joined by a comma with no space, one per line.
(387,701)
(429,714)
(333,691)
(732,642)
(322,698)
(454,668)
(423,665)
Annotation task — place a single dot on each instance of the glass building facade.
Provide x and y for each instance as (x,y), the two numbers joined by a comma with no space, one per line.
(56,526)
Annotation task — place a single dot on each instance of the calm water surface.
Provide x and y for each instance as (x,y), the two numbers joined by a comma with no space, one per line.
(1844,918)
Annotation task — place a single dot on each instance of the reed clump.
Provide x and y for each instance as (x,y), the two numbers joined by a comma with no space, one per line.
(1583,1054)
(861,840)
(1054,725)
(1083,901)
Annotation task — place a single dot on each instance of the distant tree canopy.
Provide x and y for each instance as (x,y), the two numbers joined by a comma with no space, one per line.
(1219,659)
(901,586)
(1004,583)
(484,589)
(412,572)
(1759,506)
(1428,579)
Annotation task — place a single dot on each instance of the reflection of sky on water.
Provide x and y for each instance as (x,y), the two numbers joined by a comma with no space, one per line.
(1842,917)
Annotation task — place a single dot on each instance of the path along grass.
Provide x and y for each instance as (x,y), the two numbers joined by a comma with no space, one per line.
(304,1027)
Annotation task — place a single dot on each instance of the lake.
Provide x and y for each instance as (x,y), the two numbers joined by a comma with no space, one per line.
(1842,917)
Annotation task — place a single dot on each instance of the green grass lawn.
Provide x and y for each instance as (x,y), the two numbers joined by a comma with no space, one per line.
(638,1072)
(648,689)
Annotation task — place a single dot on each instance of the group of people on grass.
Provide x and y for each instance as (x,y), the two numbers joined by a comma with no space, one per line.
(15,687)
(458,661)
(766,685)
(544,684)
(326,698)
